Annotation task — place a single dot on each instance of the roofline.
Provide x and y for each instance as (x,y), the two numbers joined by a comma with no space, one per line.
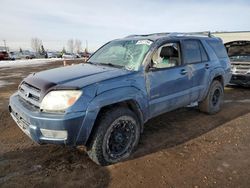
(173,34)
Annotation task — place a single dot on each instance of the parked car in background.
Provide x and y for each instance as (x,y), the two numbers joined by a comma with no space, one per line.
(14,55)
(84,54)
(27,55)
(4,55)
(58,54)
(239,54)
(105,102)
(52,55)
(69,56)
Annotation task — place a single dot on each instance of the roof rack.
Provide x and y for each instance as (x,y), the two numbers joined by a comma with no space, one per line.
(147,35)
(204,33)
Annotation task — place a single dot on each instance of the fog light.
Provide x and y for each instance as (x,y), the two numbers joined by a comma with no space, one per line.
(57,134)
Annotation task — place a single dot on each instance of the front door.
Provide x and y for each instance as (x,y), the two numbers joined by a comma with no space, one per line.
(168,81)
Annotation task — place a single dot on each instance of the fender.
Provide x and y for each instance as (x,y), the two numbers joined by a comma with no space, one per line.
(108,98)
(213,74)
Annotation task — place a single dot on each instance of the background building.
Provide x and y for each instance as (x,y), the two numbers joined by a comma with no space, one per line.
(233,36)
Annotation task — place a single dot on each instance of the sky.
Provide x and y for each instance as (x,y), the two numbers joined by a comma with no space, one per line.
(57,21)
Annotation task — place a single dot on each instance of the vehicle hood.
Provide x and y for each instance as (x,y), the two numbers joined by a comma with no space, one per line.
(75,76)
(238,48)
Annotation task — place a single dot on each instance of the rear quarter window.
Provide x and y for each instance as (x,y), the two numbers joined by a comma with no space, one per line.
(218,48)
(204,56)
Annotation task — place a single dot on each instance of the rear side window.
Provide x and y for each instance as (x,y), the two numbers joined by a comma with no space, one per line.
(191,50)
(218,48)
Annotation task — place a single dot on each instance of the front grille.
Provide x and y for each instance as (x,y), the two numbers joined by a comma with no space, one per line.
(24,125)
(30,93)
(241,68)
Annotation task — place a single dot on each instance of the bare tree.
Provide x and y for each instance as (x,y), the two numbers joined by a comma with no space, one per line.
(78,45)
(70,45)
(36,44)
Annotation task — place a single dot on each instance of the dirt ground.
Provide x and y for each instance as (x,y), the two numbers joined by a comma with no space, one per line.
(184,148)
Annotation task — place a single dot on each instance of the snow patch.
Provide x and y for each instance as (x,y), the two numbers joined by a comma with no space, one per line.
(26,62)
(11,75)
(237,101)
(4,83)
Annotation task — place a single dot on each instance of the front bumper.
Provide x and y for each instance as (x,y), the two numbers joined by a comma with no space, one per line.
(33,123)
(243,80)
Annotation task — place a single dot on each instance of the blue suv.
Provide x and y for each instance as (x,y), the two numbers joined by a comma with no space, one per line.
(104,103)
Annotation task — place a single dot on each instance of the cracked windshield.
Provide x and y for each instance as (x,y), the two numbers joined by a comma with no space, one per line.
(124,53)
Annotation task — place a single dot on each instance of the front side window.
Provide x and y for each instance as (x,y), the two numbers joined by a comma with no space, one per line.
(166,56)
(122,53)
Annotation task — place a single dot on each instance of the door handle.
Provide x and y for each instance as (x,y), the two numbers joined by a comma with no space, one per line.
(183,71)
(207,66)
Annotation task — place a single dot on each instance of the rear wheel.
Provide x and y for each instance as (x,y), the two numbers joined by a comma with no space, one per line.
(214,99)
(116,136)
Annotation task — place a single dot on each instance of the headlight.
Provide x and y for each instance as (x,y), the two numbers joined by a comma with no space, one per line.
(58,101)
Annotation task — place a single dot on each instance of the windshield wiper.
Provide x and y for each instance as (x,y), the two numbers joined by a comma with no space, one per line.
(89,62)
(111,65)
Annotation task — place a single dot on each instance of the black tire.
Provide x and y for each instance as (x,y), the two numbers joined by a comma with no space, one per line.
(214,99)
(116,129)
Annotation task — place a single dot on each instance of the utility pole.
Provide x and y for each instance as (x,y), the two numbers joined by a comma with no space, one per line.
(4,42)
(86,46)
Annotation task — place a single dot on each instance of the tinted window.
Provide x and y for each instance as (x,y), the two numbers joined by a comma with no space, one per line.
(218,48)
(191,50)
(204,57)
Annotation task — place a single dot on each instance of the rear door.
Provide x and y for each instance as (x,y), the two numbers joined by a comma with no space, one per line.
(197,62)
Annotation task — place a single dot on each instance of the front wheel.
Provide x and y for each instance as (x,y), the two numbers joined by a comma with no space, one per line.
(116,135)
(214,99)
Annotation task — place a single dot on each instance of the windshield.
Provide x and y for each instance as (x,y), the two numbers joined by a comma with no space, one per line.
(124,53)
(241,58)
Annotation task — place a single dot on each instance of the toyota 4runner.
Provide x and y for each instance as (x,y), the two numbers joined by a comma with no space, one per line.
(104,103)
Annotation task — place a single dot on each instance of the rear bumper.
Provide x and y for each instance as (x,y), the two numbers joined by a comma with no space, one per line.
(35,124)
(243,80)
